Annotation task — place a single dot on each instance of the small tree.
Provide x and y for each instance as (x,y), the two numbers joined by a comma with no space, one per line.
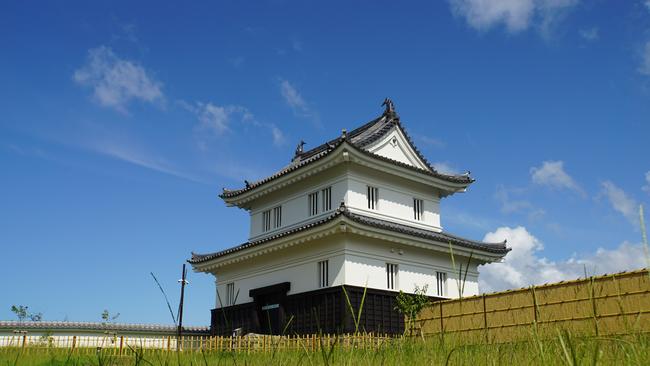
(106,316)
(22,313)
(410,305)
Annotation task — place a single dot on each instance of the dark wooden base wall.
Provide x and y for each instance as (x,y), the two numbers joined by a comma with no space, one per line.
(307,313)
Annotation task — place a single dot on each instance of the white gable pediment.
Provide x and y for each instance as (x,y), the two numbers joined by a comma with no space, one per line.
(394,145)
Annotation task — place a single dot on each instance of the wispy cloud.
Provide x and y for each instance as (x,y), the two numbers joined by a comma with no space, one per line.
(590,34)
(293,98)
(526,265)
(137,156)
(516,205)
(115,81)
(644,68)
(296,102)
(278,136)
(515,15)
(621,202)
(215,120)
(552,174)
(430,141)
(237,62)
(444,167)
(646,187)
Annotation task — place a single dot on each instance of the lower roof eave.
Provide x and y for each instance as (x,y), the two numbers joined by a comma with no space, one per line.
(428,244)
(344,221)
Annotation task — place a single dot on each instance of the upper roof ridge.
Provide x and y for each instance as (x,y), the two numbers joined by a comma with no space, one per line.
(360,137)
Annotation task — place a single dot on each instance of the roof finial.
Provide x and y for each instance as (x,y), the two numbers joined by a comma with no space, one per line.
(390,107)
(299,149)
(344,134)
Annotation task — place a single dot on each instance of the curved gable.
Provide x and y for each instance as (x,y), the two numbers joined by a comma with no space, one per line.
(394,145)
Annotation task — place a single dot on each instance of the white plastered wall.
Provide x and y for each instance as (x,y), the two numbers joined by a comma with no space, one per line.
(349,184)
(366,258)
(296,264)
(295,204)
(395,198)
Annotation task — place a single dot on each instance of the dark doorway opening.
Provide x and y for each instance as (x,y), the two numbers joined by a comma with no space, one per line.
(269,302)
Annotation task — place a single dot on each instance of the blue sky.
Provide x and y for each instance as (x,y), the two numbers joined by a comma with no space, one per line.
(121,123)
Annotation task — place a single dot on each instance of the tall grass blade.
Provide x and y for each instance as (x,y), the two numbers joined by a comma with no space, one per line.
(171,312)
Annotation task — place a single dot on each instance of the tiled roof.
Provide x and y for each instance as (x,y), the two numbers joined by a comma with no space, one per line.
(359,138)
(117,327)
(496,248)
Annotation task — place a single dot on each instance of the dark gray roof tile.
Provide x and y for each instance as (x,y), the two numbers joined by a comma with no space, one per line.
(496,248)
(359,138)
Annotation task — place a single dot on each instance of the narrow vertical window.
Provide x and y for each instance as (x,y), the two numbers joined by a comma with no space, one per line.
(373,197)
(323,274)
(441,283)
(266,220)
(391,276)
(230,294)
(327,198)
(418,209)
(313,204)
(277,217)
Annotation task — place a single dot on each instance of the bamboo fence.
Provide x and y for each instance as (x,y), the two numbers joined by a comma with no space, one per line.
(603,305)
(119,345)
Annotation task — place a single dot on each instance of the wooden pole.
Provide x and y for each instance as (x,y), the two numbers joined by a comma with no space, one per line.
(485,325)
(121,344)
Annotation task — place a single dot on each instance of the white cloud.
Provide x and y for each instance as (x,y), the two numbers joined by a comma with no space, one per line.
(646,187)
(515,15)
(278,136)
(621,202)
(644,68)
(444,167)
(647,4)
(293,98)
(213,118)
(552,174)
(298,105)
(525,264)
(218,120)
(590,34)
(115,81)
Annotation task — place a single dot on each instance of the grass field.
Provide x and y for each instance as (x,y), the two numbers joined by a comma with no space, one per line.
(564,349)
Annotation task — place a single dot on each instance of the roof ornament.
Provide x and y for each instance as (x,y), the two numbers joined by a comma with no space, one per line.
(390,108)
(344,134)
(299,149)
(247,183)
